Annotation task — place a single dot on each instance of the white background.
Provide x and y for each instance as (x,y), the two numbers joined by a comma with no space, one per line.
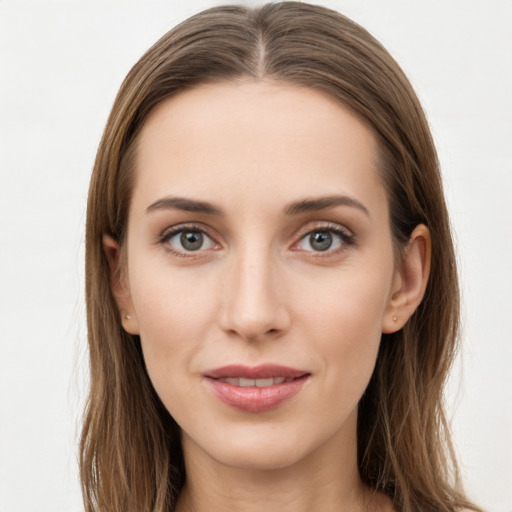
(61,65)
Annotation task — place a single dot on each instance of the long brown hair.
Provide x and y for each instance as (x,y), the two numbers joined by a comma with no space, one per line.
(131,457)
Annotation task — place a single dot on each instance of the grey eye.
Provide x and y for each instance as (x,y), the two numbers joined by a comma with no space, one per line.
(323,240)
(191,240)
(320,240)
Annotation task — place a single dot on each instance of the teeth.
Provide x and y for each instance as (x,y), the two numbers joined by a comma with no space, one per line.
(263,383)
(259,383)
(232,381)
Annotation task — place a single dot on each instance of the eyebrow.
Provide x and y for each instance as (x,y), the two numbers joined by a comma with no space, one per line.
(303,206)
(322,203)
(182,203)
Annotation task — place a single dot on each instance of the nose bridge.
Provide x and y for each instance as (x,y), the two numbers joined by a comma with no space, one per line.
(253,304)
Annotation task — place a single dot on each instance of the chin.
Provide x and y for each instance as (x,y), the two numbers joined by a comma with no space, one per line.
(274,446)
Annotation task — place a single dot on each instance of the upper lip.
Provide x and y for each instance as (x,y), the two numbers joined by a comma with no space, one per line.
(263,371)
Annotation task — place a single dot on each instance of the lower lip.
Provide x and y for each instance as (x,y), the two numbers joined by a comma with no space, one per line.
(254,399)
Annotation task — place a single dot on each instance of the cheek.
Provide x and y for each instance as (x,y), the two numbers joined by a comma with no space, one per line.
(346,304)
(174,315)
(345,324)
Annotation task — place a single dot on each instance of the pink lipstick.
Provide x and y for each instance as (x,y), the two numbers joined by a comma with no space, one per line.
(255,389)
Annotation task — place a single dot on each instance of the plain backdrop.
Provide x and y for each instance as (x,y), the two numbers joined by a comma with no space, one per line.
(61,65)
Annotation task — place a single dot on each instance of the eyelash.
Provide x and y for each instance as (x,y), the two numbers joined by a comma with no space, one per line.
(168,234)
(346,238)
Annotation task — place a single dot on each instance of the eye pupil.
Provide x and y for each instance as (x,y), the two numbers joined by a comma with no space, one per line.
(320,240)
(191,240)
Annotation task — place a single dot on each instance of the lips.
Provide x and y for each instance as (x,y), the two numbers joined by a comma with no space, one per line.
(255,389)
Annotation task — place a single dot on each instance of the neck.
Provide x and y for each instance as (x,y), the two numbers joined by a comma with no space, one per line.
(274,490)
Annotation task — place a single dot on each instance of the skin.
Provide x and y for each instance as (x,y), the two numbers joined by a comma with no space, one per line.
(258,292)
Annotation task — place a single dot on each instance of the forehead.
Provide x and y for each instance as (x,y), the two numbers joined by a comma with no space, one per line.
(251,142)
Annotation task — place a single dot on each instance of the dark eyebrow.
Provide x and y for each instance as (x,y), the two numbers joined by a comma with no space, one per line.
(181,203)
(322,203)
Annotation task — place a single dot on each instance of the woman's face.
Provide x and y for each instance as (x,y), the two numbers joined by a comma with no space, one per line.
(259,269)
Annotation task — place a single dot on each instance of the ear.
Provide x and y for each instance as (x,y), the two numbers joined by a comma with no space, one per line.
(409,281)
(120,285)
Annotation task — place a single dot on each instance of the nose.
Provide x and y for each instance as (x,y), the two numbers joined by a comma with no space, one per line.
(254,303)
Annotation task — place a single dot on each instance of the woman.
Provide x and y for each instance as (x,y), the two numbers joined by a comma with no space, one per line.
(271,286)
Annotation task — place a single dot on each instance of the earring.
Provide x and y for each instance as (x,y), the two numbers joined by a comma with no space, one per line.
(128,317)
(395,319)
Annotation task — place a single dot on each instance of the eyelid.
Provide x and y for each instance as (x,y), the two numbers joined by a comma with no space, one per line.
(324,226)
(171,231)
(347,236)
